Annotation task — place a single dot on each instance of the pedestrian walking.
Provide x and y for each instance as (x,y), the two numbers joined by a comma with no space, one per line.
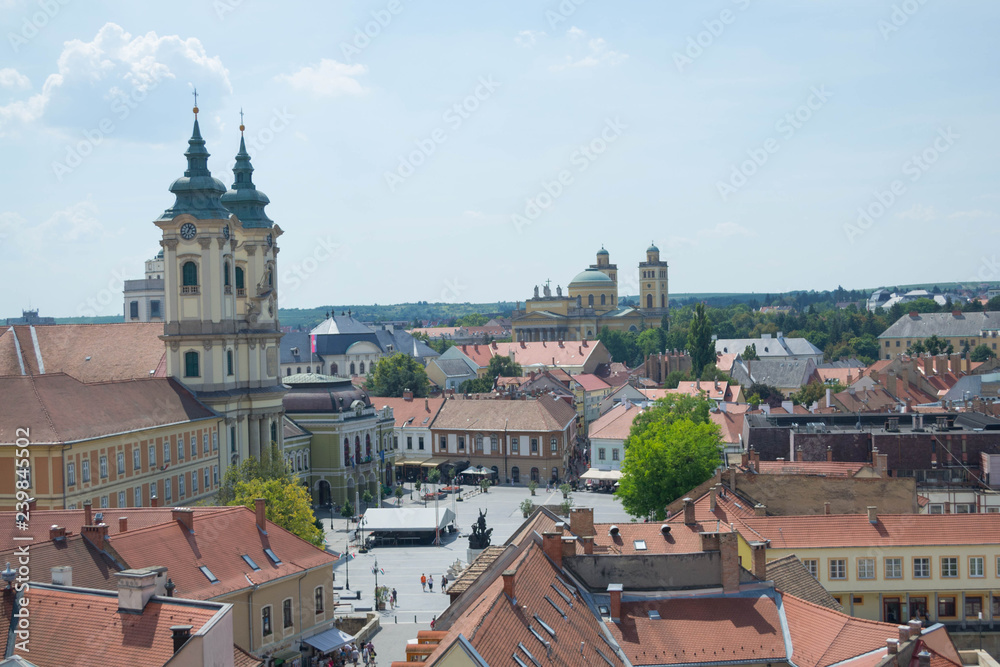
(444,582)
(355,655)
(423,582)
(394,597)
(430,583)
(371,652)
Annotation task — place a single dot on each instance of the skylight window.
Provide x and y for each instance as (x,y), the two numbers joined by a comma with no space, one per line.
(208,574)
(249,561)
(274,559)
(640,545)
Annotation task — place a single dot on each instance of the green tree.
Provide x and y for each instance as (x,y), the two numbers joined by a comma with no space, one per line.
(993,304)
(765,393)
(398,493)
(503,366)
(699,343)
(472,320)
(750,353)
(482,385)
(288,505)
(815,391)
(672,448)
(271,466)
(396,373)
(982,353)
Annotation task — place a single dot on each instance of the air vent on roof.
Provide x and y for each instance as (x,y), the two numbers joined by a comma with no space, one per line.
(274,559)
(555,606)
(249,561)
(562,595)
(545,626)
(605,657)
(528,654)
(654,615)
(613,531)
(665,529)
(208,574)
(537,635)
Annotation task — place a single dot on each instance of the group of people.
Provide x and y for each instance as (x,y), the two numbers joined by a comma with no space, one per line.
(351,654)
(427,583)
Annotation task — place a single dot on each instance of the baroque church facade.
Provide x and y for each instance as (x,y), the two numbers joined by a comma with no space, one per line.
(591,303)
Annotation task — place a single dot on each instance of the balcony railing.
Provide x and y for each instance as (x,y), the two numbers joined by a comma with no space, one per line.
(190,289)
(241,291)
(229,289)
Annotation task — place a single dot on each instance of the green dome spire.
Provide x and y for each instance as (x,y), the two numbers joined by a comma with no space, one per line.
(244,199)
(197,193)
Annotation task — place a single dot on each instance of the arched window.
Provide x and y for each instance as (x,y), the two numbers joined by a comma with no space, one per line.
(305,460)
(298,369)
(352,368)
(288,371)
(298,460)
(361,368)
(515,475)
(333,369)
(240,282)
(357,449)
(590,299)
(602,300)
(663,301)
(229,362)
(347,452)
(225,277)
(534,474)
(309,369)
(274,431)
(191,364)
(368,445)
(649,301)
(189,273)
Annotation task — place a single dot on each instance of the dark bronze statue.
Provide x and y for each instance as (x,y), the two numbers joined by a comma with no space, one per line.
(480,537)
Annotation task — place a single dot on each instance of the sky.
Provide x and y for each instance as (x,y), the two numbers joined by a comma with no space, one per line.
(468,151)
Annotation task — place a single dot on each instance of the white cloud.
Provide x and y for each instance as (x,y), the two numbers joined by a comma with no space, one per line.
(11,78)
(595,52)
(527,38)
(918,213)
(327,79)
(77,222)
(112,76)
(978,213)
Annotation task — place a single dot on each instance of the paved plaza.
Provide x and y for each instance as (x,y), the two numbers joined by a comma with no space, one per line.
(404,565)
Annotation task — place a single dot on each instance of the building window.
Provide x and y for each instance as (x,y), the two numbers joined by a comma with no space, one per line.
(614,453)
(229,362)
(590,300)
(601,453)
(838,568)
(194,482)
(215,475)
(103,463)
(204,444)
(133,310)
(121,463)
(137,496)
(180,485)
(461,443)
(168,490)
(189,273)
(104,502)
(136,458)
(444,443)
(866,568)
(353,369)
(420,442)
(207,481)
(921,568)
(319,600)
(286,613)
(71,474)
(85,467)
(154,309)
(603,299)
(515,445)
(976,566)
(918,607)
(812,565)
(949,567)
(180,448)
(232,439)
(152,456)
(494,444)
(215,441)
(409,442)
(166,452)
(946,606)
(479,443)
(265,621)
(225,278)
(240,282)
(554,445)
(361,368)
(121,499)
(191,364)
(534,445)
(893,568)
(973,606)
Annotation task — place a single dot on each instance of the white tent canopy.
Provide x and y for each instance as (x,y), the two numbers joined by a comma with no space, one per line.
(478,470)
(408,519)
(606,475)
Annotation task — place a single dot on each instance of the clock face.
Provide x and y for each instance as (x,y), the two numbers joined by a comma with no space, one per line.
(188,231)
(225,232)
(270,240)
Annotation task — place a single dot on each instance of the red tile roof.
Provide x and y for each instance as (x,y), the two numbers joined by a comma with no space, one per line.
(616,423)
(91,569)
(701,630)
(714,391)
(591,382)
(411,413)
(88,352)
(86,628)
(821,636)
(730,425)
(826,468)
(729,508)
(542,414)
(681,539)
(845,376)
(73,520)
(60,408)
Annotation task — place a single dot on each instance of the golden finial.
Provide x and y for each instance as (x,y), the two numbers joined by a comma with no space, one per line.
(241,121)
(195,93)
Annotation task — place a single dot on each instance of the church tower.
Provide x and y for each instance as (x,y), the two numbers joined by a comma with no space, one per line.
(653,294)
(221,325)
(605,266)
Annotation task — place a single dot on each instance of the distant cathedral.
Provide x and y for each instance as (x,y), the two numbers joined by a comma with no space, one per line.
(591,303)
(220,309)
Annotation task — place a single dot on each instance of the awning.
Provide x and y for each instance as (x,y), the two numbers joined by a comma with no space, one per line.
(479,470)
(410,462)
(328,640)
(434,462)
(286,656)
(605,475)
(406,519)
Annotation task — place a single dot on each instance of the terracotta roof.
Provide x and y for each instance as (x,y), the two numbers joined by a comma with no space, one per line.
(681,539)
(411,413)
(89,627)
(854,530)
(616,423)
(591,382)
(821,636)
(730,425)
(88,352)
(561,375)
(475,569)
(724,361)
(791,576)
(845,376)
(729,508)
(544,353)
(876,399)
(825,468)
(60,408)
(243,659)
(714,391)
(73,520)
(542,414)
(701,630)
(654,394)
(91,568)
(219,541)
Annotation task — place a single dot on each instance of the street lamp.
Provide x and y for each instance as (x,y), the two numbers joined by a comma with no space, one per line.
(347,563)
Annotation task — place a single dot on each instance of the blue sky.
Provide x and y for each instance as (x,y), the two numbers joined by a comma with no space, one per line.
(466,151)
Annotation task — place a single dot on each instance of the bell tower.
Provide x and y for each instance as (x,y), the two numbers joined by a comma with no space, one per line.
(221,325)
(654,297)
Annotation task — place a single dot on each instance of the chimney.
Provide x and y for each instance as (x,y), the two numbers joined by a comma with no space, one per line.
(568,546)
(552,546)
(62,575)
(711,499)
(924,659)
(729,549)
(914,314)
(745,460)
(88,514)
(759,560)
(183,516)
(260,505)
(561,527)
(181,634)
(154,501)
(882,464)
(96,535)
(760,509)
(407,395)
(829,454)
(732,479)
(615,591)
(956,313)
(872,515)
(689,512)
(914,626)
(904,633)
(508,584)
(123,524)
(57,533)
(892,646)
(581,521)
(135,587)
(826,507)
(427,405)
(588,544)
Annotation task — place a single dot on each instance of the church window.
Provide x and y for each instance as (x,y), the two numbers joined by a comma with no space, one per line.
(352,368)
(347,452)
(663,301)
(590,299)
(240,283)
(298,369)
(649,301)
(154,308)
(189,273)
(361,368)
(229,362)
(288,371)
(225,277)
(274,432)
(309,369)
(333,369)
(368,445)
(239,177)
(133,310)
(602,299)
(191,364)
